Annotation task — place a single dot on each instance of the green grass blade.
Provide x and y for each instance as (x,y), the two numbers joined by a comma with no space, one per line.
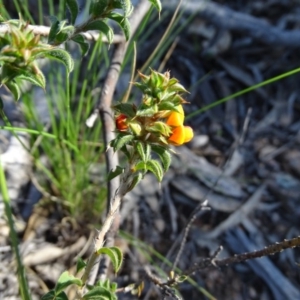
(24,289)
(244,91)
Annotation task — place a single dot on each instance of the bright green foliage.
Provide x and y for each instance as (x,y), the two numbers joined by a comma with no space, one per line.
(99,293)
(80,264)
(84,46)
(73,8)
(156,4)
(60,31)
(144,129)
(115,254)
(63,282)
(114,173)
(122,21)
(105,290)
(102,27)
(20,49)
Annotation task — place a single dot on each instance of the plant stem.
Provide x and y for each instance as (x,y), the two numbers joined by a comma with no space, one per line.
(24,289)
(115,204)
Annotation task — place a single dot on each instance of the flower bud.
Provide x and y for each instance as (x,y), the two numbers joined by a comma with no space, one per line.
(121,122)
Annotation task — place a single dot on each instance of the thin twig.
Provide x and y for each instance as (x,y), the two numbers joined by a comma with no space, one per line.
(115,188)
(204,204)
(237,258)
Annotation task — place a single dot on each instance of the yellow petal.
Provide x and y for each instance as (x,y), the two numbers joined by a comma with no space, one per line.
(177,137)
(176,118)
(188,133)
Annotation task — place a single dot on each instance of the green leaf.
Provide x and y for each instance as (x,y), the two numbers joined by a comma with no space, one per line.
(33,75)
(52,296)
(164,156)
(166,105)
(141,166)
(99,7)
(14,89)
(152,166)
(8,73)
(81,264)
(49,296)
(54,29)
(127,7)
(147,112)
(136,179)
(147,151)
(125,108)
(102,27)
(122,21)
(66,280)
(62,56)
(135,127)
(114,173)
(141,151)
(73,8)
(174,98)
(115,254)
(61,37)
(156,4)
(126,152)
(121,140)
(99,293)
(79,39)
(155,167)
(160,127)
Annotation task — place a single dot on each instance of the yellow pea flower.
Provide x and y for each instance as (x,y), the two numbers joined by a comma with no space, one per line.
(181,135)
(176,118)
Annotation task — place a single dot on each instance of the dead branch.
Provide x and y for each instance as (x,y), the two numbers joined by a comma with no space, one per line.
(227,18)
(237,258)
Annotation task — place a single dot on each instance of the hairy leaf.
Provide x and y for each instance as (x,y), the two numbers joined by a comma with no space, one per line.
(73,8)
(102,27)
(54,29)
(115,254)
(164,156)
(120,141)
(79,39)
(156,4)
(80,264)
(125,108)
(62,56)
(152,166)
(33,75)
(122,21)
(141,150)
(114,173)
(136,179)
(99,293)
(14,89)
(99,7)
(66,280)
(155,167)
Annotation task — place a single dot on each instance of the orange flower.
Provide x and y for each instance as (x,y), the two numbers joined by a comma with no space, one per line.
(121,122)
(181,135)
(176,118)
